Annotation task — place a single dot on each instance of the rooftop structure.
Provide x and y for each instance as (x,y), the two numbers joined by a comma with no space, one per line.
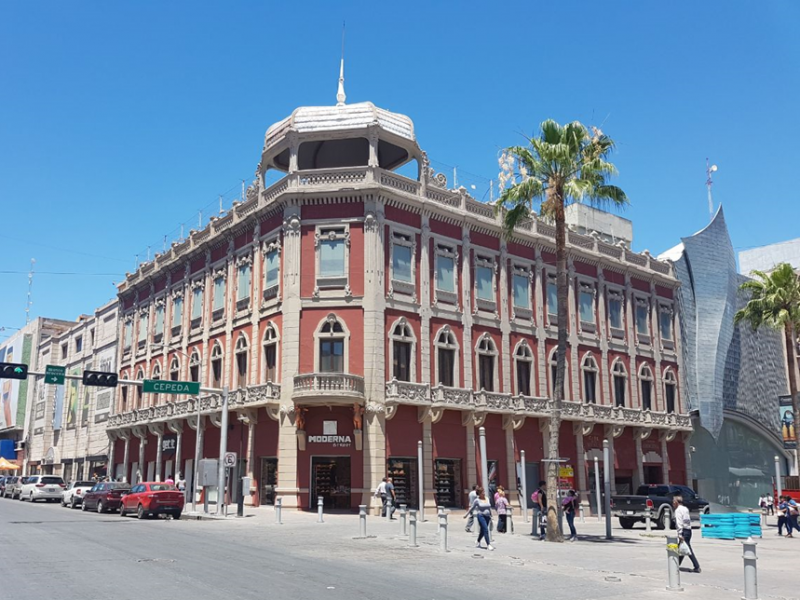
(766,258)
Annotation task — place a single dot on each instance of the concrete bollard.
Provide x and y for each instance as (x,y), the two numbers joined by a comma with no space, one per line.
(362,520)
(648,523)
(403,512)
(442,530)
(583,516)
(673,566)
(278,503)
(750,569)
(412,528)
(763,518)
(320,505)
(510,520)
(439,511)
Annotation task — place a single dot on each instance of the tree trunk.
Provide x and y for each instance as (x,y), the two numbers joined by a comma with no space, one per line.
(788,332)
(556,199)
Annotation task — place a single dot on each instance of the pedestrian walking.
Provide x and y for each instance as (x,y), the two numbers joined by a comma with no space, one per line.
(390,498)
(770,504)
(501,506)
(570,506)
(482,508)
(472,495)
(380,492)
(783,510)
(683,525)
(791,516)
(539,499)
(762,503)
(169,480)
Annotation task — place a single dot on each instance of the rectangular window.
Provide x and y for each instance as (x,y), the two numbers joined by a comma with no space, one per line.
(197,303)
(486,372)
(587,305)
(270,362)
(78,344)
(641,319)
(483,283)
(64,350)
(241,369)
(522,296)
(552,297)
(273,268)
(401,258)
(402,361)
(331,356)
(590,386)
(666,325)
(445,274)
(243,282)
(159,320)
(670,390)
(127,334)
(615,312)
(619,390)
(177,310)
(331,258)
(523,378)
(143,325)
(446,367)
(219,293)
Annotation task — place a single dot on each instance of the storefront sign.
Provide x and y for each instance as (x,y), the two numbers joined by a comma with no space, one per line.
(566,480)
(338,441)
(168,444)
(788,426)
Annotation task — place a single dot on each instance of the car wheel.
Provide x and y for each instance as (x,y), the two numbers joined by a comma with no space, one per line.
(100,508)
(30,497)
(121,510)
(626,523)
(83,507)
(177,516)
(72,503)
(140,514)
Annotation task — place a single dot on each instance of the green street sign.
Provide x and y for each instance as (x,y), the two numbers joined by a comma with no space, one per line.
(54,374)
(160,386)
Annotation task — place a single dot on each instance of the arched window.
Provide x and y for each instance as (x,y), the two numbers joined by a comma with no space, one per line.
(331,345)
(402,349)
(670,390)
(175,369)
(270,353)
(241,361)
(156,375)
(553,368)
(487,361)
(194,366)
(446,356)
(646,384)
(216,366)
(589,369)
(620,376)
(140,377)
(523,362)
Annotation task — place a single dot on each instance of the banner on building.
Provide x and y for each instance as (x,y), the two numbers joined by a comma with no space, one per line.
(788,426)
(11,352)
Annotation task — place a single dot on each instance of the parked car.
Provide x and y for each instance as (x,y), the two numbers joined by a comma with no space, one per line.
(11,487)
(657,501)
(104,496)
(153,498)
(3,483)
(73,495)
(41,487)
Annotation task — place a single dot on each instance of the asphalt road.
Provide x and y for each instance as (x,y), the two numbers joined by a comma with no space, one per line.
(47,551)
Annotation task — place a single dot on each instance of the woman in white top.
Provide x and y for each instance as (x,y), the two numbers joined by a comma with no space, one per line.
(482,508)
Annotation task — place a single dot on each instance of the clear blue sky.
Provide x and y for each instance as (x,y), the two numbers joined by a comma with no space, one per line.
(120,120)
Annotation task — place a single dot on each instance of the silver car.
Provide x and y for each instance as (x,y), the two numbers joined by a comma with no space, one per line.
(42,487)
(12,486)
(73,495)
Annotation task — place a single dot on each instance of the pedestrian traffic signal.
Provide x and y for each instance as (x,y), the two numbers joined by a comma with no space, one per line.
(13,371)
(99,379)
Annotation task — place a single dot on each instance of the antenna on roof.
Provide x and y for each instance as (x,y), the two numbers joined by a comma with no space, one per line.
(340,95)
(30,289)
(709,170)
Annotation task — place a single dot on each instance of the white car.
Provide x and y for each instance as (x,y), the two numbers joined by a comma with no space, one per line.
(42,487)
(73,495)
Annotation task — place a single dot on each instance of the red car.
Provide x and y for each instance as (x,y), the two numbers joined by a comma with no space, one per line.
(152,498)
(104,496)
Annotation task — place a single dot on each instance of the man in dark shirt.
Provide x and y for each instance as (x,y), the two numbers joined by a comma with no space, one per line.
(390,498)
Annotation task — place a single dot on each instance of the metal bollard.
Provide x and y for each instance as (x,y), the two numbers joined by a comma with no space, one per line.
(412,528)
(278,503)
(442,530)
(362,520)
(673,567)
(439,511)
(647,521)
(403,512)
(320,505)
(510,520)
(750,569)
(763,518)
(583,516)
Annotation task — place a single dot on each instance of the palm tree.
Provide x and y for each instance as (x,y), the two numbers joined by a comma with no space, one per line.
(563,165)
(775,302)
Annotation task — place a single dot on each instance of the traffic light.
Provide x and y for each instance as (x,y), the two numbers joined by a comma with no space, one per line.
(13,371)
(99,379)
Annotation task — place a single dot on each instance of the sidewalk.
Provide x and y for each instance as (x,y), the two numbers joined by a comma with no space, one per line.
(634,561)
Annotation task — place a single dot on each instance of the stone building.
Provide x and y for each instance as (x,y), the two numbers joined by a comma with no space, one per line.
(355,311)
(67,422)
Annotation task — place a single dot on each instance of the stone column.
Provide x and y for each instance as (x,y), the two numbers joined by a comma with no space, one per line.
(663,435)
(472,467)
(687,449)
(142,466)
(427,468)
(374,449)
(110,471)
(511,467)
(609,435)
(638,476)
(125,456)
(176,427)
(159,440)
(580,466)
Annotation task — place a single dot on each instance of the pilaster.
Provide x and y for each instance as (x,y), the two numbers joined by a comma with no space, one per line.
(425,301)
(467,350)
(541,350)
(573,341)
(507,364)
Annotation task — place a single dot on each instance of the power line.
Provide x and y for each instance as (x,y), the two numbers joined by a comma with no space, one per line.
(61,273)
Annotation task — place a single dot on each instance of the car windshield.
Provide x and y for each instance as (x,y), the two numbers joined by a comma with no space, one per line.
(52,480)
(118,486)
(84,483)
(162,487)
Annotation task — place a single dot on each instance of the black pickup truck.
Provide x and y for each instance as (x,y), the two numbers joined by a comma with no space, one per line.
(657,499)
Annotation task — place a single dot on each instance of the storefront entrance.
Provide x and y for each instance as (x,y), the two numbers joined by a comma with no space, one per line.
(447,481)
(330,478)
(403,472)
(268,480)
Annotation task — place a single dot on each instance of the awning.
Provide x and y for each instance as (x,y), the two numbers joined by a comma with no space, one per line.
(7,466)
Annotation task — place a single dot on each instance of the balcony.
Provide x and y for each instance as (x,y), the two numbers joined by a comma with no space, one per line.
(328,388)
